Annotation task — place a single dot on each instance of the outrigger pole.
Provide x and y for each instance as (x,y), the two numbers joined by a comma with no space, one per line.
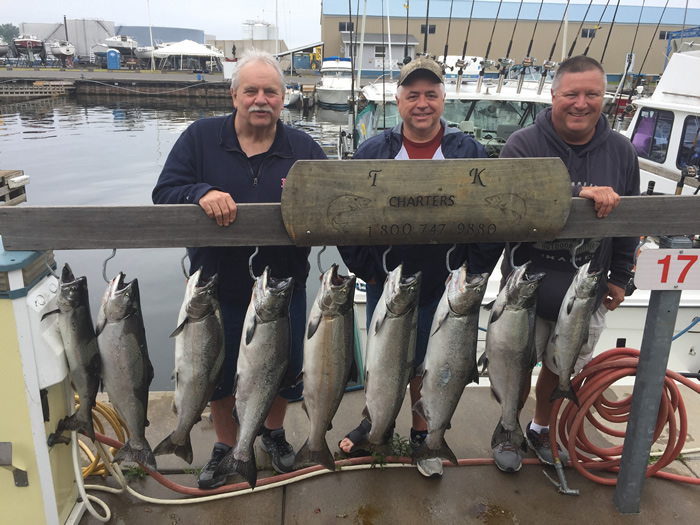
(580,27)
(461,63)
(505,63)
(486,63)
(628,66)
(549,65)
(527,60)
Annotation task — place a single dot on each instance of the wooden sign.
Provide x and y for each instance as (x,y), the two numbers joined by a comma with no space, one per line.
(425,201)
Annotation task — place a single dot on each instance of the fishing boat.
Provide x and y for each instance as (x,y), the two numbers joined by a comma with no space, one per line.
(124,44)
(335,87)
(665,128)
(292,97)
(26,44)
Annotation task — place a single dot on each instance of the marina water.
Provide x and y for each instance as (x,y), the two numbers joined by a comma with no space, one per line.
(93,151)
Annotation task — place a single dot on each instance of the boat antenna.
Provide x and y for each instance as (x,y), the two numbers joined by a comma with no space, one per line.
(607,40)
(427,28)
(628,67)
(527,60)
(486,64)
(580,27)
(461,63)
(405,47)
(685,13)
(447,38)
(549,65)
(597,26)
(505,63)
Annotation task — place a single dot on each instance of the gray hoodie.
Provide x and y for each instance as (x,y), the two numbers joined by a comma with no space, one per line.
(609,159)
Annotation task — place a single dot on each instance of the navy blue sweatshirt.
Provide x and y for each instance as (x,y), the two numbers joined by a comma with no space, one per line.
(609,159)
(208,156)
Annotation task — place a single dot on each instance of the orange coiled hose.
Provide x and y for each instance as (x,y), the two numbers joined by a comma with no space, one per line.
(590,384)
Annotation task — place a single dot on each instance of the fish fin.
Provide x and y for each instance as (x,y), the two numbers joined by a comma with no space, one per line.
(440,317)
(52,312)
(419,408)
(229,465)
(501,435)
(474,378)
(365,414)
(444,453)
(144,456)
(306,411)
(496,313)
(570,304)
(168,447)
(307,457)
(330,426)
(483,362)
(180,327)
(314,322)
(495,396)
(250,330)
(489,306)
(380,314)
(564,392)
(354,374)
(100,323)
(173,406)
(75,422)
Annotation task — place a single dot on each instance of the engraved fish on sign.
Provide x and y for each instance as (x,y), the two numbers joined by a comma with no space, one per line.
(341,209)
(511,205)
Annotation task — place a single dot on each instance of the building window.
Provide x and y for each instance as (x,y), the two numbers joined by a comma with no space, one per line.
(663,35)
(346,26)
(379,51)
(587,33)
(431,29)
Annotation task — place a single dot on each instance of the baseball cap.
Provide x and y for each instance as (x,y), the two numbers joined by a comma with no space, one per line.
(423,64)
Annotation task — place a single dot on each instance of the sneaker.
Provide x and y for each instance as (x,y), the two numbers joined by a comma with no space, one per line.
(507,457)
(206,479)
(281,452)
(430,467)
(540,444)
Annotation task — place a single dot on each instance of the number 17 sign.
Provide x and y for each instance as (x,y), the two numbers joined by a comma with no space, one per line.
(668,270)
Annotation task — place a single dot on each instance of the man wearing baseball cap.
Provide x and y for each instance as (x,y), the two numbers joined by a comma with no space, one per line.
(423,134)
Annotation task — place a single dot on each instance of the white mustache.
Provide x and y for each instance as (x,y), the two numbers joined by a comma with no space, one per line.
(266,109)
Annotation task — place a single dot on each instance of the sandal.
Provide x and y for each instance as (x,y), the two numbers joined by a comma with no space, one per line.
(357,436)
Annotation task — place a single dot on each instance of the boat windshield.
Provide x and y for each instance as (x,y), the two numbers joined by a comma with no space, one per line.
(490,121)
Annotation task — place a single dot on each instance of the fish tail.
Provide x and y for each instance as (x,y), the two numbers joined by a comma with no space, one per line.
(230,465)
(501,435)
(443,452)
(566,392)
(168,446)
(143,456)
(306,457)
(77,423)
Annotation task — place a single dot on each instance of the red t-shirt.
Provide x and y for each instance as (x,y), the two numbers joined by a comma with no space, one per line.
(423,150)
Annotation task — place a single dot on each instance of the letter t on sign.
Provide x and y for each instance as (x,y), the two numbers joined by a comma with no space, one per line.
(373,175)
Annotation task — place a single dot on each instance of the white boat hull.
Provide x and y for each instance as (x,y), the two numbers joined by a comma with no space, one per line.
(62,50)
(333,97)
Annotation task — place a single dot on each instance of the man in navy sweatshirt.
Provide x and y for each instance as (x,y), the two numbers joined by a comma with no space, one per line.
(602,165)
(216,163)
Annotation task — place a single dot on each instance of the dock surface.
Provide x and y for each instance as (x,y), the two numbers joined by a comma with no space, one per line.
(469,494)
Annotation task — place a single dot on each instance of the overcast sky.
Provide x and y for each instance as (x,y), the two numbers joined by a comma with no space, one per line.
(299,20)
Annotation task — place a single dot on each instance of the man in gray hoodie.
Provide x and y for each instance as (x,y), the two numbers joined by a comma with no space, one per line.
(602,165)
